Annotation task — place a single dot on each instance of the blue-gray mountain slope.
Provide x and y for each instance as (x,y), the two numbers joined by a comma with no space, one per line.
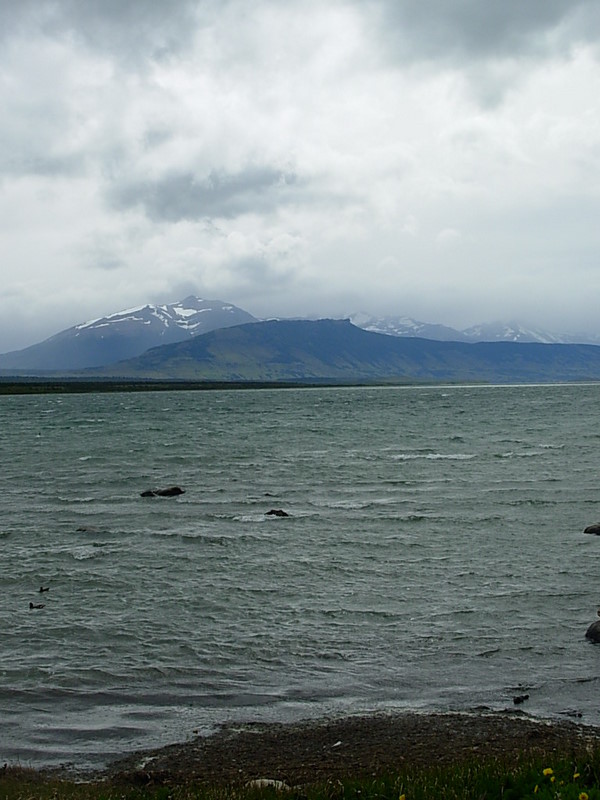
(336,350)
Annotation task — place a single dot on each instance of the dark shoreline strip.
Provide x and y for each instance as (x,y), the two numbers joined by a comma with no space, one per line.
(357,746)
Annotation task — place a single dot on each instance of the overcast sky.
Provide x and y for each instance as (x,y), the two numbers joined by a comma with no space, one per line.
(438,159)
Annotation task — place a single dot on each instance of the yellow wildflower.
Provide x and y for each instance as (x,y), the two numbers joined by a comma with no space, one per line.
(548,771)
(575,775)
(536,790)
(402,797)
(583,796)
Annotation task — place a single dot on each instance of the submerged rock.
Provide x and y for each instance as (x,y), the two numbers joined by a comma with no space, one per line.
(277,512)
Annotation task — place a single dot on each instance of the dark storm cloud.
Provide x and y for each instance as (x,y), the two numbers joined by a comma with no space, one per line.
(181,196)
(438,29)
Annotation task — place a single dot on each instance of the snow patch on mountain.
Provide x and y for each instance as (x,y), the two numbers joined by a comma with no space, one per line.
(191,316)
(485,332)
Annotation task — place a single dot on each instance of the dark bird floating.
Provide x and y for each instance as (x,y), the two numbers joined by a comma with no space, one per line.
(36,605)
(520,698)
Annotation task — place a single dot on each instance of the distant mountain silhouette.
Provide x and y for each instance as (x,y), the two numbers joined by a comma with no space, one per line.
(336,350)
(128,334)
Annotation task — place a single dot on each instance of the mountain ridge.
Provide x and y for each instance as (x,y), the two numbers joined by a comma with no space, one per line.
(338,351)
(129,334)
(483,332)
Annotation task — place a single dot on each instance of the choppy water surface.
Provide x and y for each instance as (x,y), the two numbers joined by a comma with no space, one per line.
(433,559)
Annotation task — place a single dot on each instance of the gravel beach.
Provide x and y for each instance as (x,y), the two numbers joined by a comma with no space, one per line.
(357,746)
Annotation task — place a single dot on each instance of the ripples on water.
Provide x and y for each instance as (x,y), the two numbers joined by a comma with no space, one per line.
(433,559)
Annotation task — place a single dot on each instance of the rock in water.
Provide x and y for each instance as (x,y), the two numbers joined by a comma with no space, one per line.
(171,491)
(593,632)
(595,528)
(277,512)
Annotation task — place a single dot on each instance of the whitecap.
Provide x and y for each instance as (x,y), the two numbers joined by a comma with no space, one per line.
(347,504)
(84,553)
(450,456)
(434,456)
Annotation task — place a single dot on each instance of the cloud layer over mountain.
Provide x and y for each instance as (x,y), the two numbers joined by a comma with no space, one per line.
(421,157)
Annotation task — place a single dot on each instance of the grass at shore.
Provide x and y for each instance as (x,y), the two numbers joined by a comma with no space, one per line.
(557,777)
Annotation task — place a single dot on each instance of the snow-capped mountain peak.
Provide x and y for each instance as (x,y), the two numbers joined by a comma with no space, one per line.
(485,332)
(125,334)
(405,326)
(191,316)
(510,332)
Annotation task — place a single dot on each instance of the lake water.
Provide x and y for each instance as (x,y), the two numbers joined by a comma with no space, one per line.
(433,559)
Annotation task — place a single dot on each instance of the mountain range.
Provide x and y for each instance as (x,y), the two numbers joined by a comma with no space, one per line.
(338,351)
(197,339)
(485,332)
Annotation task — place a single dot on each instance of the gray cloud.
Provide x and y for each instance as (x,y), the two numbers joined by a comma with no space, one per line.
(131,30)
(471,29)
(445,157)
(182,196)
(493,45)
(415,29)
(42,165)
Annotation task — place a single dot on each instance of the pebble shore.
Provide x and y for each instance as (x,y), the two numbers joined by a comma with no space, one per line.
(356,746)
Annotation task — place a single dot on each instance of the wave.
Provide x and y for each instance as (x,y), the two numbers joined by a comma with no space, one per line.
(86,552)
(520,454)
(434,456)
(402,566)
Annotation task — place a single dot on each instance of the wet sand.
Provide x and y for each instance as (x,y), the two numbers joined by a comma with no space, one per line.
(355,746)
